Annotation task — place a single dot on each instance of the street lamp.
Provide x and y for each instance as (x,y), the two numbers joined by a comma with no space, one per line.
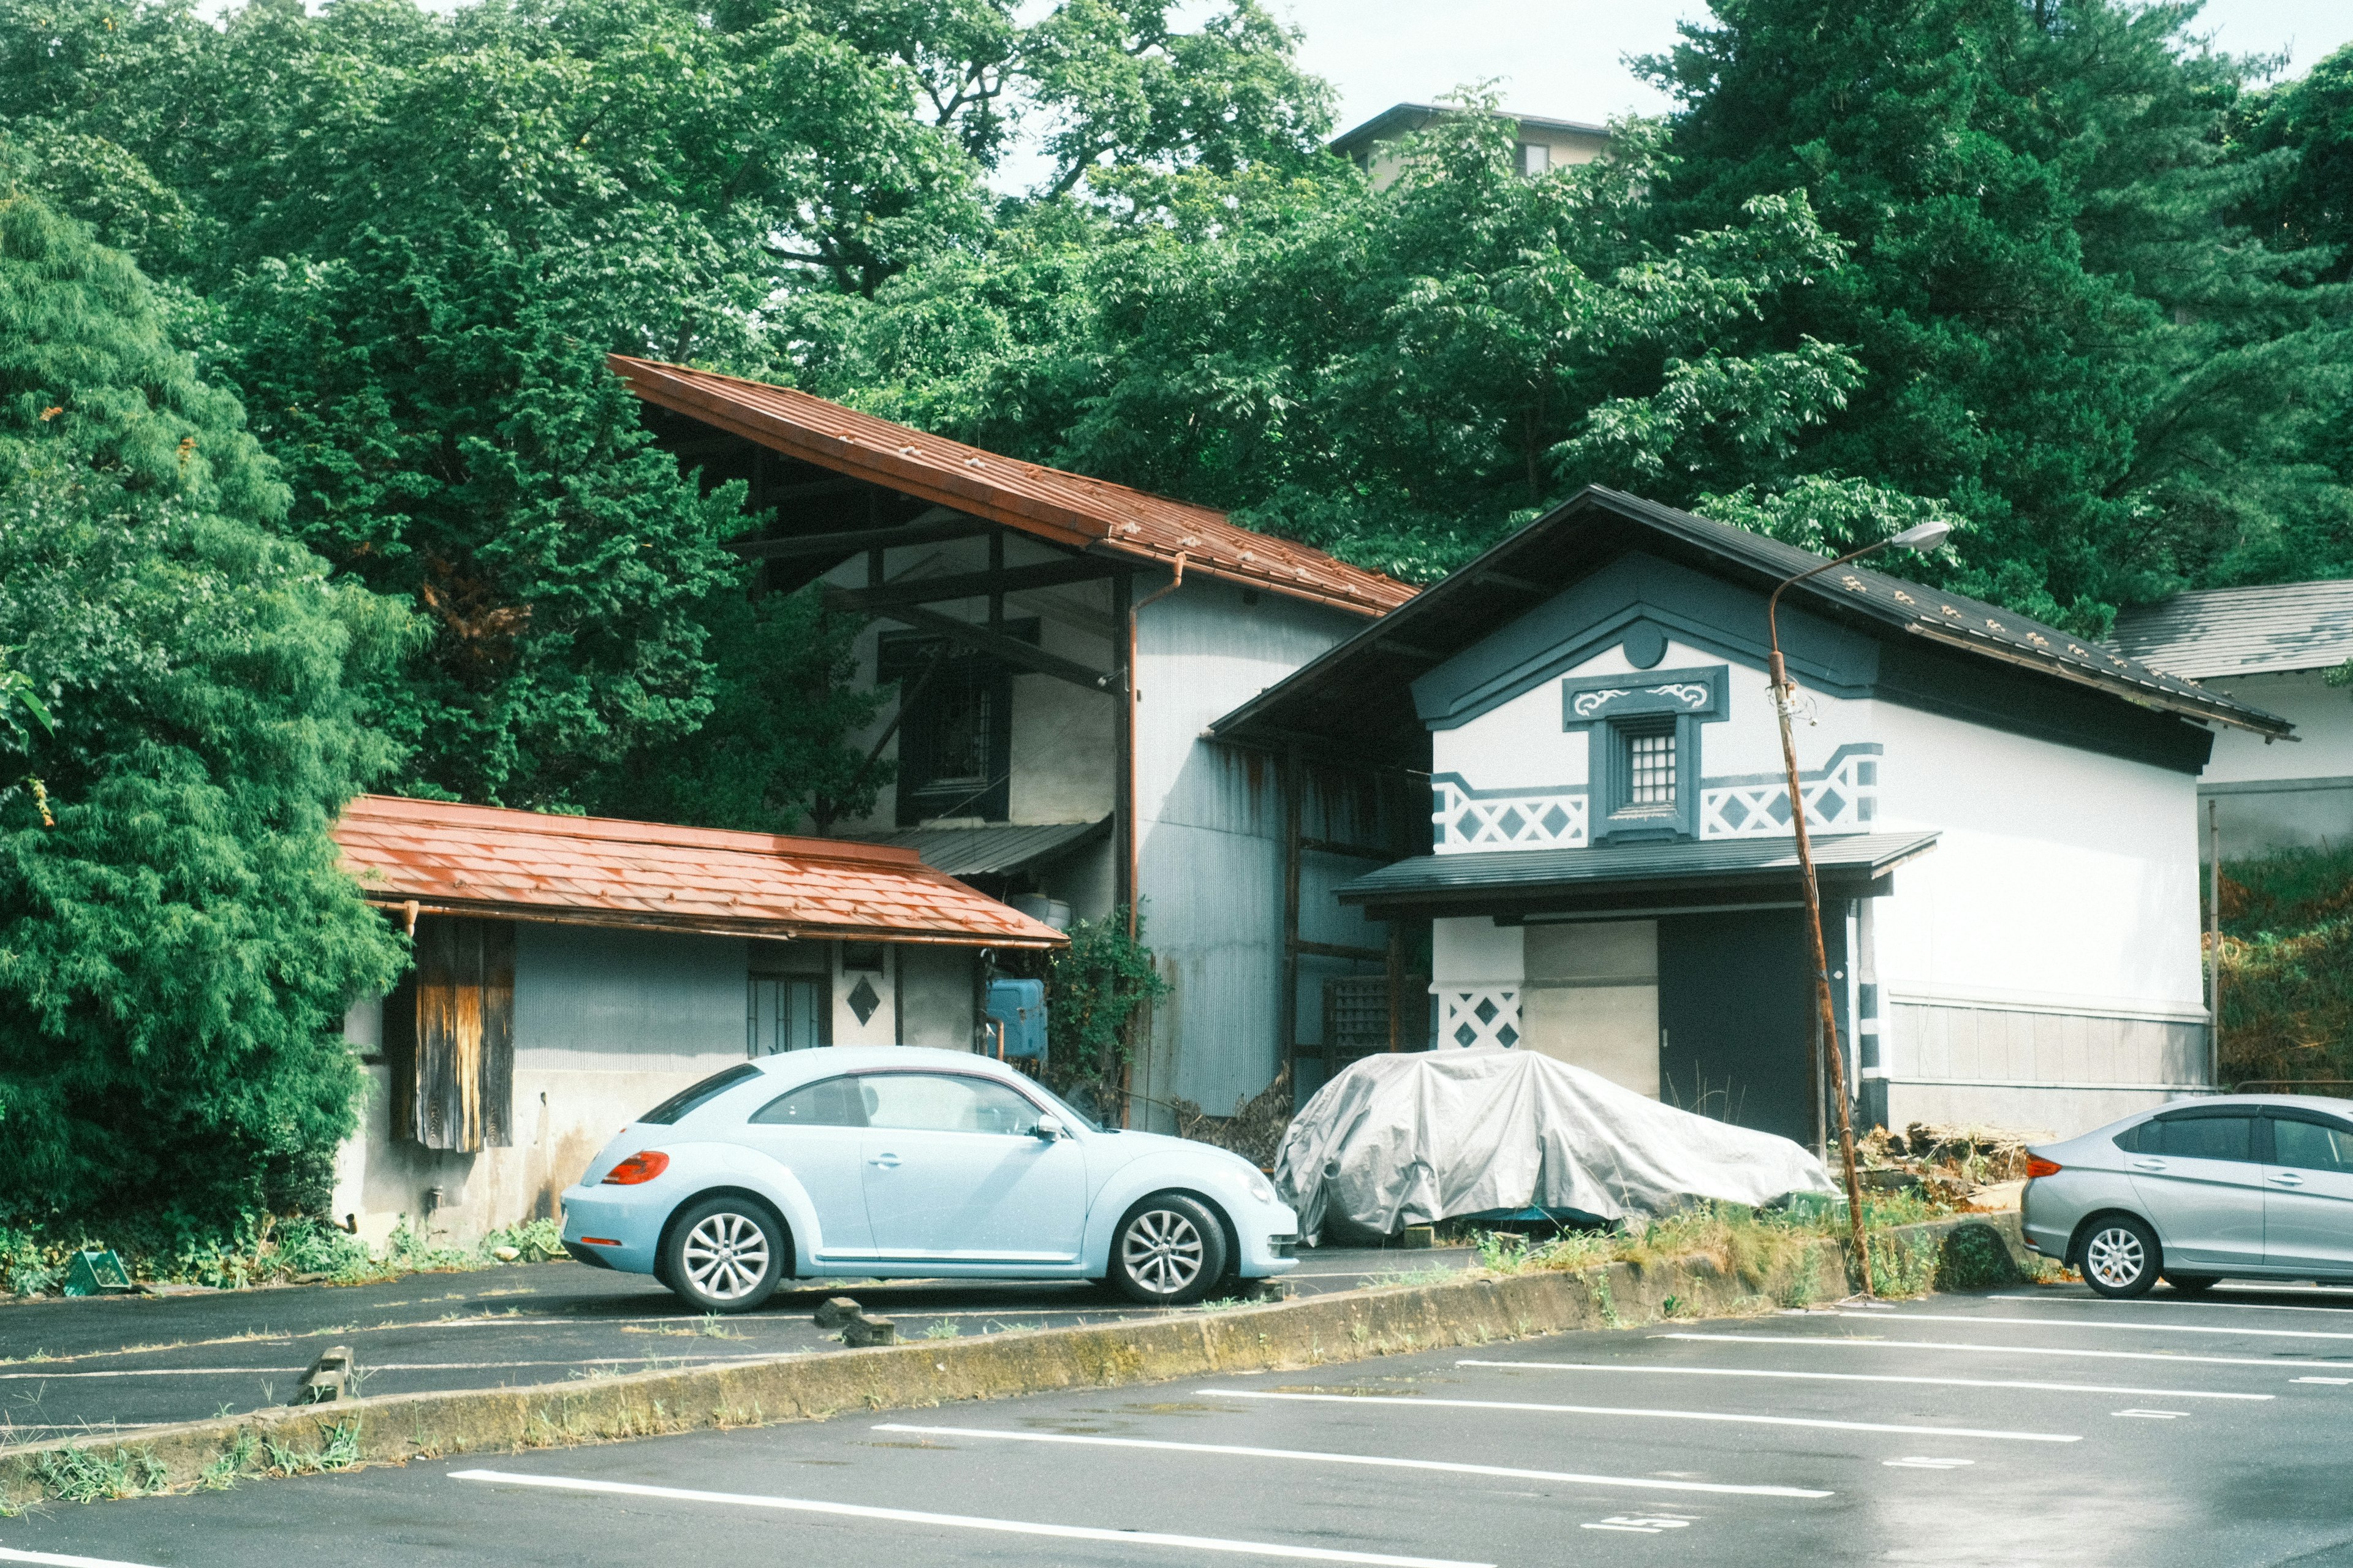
(1923,537)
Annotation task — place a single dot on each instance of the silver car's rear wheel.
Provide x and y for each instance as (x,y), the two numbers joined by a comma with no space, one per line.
(2121,1258)
(724,1255)
(1169,1251)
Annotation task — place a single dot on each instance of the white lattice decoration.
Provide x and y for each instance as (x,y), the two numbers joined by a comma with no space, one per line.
(1470,1019)
(1462,819)
(1841,798)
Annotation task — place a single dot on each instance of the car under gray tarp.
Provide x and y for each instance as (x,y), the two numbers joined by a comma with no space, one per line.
(1410,1139)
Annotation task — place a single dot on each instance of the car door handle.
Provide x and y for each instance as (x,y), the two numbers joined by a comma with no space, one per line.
(2148,1165)
(888,1161)
(2287,1178)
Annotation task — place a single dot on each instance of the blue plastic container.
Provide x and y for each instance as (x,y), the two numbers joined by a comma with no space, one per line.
(1019,1005)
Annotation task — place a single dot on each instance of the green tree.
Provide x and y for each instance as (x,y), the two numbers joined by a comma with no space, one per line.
(2307,198)
(2065,337)
(409,238)
(770,756)
(177,943)
(1396,374)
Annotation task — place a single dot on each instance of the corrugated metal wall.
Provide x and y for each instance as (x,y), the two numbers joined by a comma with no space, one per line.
(1211,848)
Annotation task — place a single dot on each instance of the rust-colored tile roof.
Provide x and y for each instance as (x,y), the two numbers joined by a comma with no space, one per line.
(598,870)
(1066,509)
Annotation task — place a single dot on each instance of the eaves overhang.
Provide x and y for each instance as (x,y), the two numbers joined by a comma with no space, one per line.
(1656,878)
(1355,691)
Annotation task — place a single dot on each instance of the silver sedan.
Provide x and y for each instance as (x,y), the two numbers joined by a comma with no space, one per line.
(2247,1186)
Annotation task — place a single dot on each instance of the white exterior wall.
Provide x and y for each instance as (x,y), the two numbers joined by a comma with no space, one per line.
(2040,968)
(1209,817)
(608,1024)
(2284,794)
(1064,739)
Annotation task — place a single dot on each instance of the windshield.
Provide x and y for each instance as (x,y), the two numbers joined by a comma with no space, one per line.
(1067,1109)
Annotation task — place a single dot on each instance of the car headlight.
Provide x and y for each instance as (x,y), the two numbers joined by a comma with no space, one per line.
(1260,1188)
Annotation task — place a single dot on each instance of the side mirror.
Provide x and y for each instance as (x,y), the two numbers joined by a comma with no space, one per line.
(1050,1128)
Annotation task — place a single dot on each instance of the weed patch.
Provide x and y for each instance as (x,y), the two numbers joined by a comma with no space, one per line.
(96,1474)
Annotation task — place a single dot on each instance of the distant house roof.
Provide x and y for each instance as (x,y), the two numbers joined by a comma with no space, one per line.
(997,848)
(596,871)
(1065,509)
(2243,631)
(1402,119)
(1356,696)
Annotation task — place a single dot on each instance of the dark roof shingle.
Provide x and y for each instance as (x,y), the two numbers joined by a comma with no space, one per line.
(2271,630)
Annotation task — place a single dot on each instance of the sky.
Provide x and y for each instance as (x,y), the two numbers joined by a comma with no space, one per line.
(1565,59)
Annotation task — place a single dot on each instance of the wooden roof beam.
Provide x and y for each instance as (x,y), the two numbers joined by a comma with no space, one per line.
(980,640)
(974,584)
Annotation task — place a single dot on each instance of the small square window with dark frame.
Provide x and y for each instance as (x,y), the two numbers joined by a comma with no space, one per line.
(862,955)
(1650,765)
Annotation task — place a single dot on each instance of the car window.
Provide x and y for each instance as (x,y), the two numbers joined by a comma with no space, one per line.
(828,1102)
(945,1102)
(2203,1137)
(2309,1146)
(686,1101)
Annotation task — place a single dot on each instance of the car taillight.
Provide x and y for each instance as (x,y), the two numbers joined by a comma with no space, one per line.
(2035,1166)
(647,1164)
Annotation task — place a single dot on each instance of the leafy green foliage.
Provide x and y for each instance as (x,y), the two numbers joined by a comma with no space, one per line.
(1096,990)
(2062,334)
(2287,966)
(769,756)
(1396,374)
(2306,199)
(178,946)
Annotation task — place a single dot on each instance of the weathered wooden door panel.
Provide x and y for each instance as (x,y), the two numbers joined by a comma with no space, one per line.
(464,1073)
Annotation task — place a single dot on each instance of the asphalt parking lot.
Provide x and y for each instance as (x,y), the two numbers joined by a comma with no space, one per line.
(2024,1427)
(115,1365)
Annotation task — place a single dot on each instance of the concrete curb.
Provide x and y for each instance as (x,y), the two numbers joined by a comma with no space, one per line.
(1315,1331)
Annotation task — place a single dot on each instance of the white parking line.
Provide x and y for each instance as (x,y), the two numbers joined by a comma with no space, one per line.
(1860,1343)
(2337,1381)
(2155,1415)
(1655,1414)
(1647,1482)
(1876,1377)
(964,1521)
(62,1560)
(2127,1328)
(2168,1302)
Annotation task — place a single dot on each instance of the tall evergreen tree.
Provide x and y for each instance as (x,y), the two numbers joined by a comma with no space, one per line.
(2062,334)
(177,944)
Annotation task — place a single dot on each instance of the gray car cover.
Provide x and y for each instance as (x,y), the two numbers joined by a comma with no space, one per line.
(1411,1138)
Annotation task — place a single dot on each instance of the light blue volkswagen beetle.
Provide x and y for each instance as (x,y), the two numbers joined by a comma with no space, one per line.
(893,1161)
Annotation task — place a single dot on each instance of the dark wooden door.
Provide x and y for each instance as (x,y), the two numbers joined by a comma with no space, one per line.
(1736,1017)
(459,1079)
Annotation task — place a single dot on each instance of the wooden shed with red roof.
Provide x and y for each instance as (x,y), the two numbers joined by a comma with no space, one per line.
(571,972)
(1054,646)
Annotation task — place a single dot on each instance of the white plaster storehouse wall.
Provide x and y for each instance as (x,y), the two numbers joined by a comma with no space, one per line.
(2040,968)
(2295,794)
(1482,967)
